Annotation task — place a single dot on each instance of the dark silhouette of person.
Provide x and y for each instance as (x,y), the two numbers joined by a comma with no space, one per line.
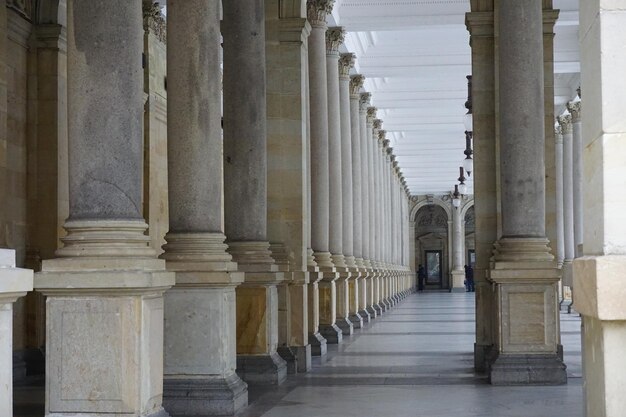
(421,277)
(469,278)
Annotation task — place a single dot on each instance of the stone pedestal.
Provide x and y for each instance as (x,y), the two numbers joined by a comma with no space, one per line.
(328,308)
(342,320)
(14,283)
(526,281)
(316,340)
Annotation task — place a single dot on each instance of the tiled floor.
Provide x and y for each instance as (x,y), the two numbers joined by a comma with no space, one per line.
(415,361)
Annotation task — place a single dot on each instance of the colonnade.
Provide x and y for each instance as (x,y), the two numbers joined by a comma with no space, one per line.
(288,224)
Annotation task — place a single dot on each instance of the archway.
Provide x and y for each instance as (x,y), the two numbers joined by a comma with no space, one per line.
(432,245)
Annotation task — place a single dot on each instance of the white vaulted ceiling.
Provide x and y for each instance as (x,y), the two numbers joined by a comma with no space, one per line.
(415,55)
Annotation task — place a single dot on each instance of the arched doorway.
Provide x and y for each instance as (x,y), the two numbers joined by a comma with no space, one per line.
(432,246)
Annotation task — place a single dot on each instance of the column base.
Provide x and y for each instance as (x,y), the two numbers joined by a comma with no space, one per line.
(483,356)
(458,281)
(332,333)
(344,323)
(527,369)
(356,320)
(318,344)
(372,312)
(298,358)
(218,396)
(267,369)
(379,310)
(365,316)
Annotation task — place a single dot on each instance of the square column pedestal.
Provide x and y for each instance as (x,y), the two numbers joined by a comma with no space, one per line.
(104,335)
(200,339)
(258,361)
(293,323)
(14,283)
(458,281)
(527,315)
(600,289)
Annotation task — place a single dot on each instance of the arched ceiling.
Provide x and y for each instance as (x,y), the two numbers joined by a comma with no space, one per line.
(416,55)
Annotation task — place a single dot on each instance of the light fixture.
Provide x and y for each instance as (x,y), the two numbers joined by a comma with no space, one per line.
(462,187)
(468,121)
(456,197)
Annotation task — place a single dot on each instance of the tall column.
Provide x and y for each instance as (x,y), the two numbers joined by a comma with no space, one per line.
(458,243)
(334,38)
(346,63)
(358,303)
(373,127)
(105,291)
(320,168)
(245,194)
(560,232)
(200,333)
(480,24)
(14,283)
(524,272)
(565,122)
(367,172)
(598,276)
(574,108)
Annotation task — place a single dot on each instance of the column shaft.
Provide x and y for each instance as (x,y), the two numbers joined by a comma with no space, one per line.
(568,197)
(577,168)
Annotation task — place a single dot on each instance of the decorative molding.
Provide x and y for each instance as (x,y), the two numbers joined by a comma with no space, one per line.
(346,63)
(334,38)
(371,113)
(364,101)
(317,10)
(153,20)
(382,135)
(378,124)
(356,83)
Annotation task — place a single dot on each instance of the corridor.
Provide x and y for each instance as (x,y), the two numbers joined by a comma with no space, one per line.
(416,361)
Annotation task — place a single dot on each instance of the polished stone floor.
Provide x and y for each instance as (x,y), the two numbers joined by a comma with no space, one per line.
(417,361)
(414,361)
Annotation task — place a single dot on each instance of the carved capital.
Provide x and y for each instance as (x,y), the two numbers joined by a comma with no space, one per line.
(153,20)
(574,109)
(382,135)
(356,83)
(566,123)
(371,114)
(365,101)
(378,124)
(317,10)
(346,63)
(334,38)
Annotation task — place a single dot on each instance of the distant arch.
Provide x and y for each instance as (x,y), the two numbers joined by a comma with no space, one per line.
(431,201)
(51,12)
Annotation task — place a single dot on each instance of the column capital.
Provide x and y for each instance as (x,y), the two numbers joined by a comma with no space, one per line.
(479,24)
(565,121)
(574,107)
(382,135)
(365,101)
(153,20)
(558,134)
(371,114)
(378,124)
(334,38)
(356,83)
(317,10)
(346,63)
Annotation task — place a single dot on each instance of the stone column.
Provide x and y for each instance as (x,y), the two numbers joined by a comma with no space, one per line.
(104,346)
(245,194)
(558,151)
(14,283)
(574,108)
(598,276)
(357,304)
(334,38)
(480,24)
(200,333)
(565,122)
(373,127)
(367,172)
(458,248)
(317,11)
(523,271)
(346,63)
